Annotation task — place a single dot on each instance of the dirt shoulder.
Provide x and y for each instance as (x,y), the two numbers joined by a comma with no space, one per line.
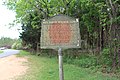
(11,67)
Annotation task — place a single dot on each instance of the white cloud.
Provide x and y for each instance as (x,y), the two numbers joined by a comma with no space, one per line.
(6,17)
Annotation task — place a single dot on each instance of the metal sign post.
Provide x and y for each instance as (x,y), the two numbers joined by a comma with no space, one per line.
(61,75)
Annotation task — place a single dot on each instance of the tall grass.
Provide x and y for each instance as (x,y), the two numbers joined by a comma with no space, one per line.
(43,68)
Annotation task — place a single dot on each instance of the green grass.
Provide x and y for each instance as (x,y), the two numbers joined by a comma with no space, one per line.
(43,68)
(23,53)
(1,51)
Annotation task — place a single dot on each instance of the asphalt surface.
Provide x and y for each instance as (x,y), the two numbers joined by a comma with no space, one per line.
(8,52)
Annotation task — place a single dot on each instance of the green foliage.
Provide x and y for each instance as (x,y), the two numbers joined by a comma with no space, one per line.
(106,51)
(4,41)
(23,53)
(105,57)
(84,61)
(42,68)
(17,45)
(14,46)
(1,51)
(99,25)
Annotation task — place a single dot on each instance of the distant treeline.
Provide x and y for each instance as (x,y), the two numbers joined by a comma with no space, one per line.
(7,42)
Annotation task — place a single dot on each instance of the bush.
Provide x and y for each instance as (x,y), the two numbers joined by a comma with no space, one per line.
(17,45)
(82,61)
(106,57)
(14,45)
(1,51)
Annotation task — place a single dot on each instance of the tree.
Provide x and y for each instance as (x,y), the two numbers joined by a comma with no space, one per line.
(6,42)
(99,22)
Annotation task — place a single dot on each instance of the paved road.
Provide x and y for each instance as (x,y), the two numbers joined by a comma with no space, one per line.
(8,52)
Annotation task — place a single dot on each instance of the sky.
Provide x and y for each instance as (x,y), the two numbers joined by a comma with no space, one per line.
(6,17)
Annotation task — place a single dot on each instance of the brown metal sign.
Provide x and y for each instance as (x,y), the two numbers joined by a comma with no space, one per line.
(60,32)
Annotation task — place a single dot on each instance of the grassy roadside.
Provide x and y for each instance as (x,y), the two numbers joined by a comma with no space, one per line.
(1,51)
(42,68)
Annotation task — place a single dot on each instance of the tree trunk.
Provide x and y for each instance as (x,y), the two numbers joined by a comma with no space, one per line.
(119,58)
(102,38)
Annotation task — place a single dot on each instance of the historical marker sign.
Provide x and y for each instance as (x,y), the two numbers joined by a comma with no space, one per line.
(60,32)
